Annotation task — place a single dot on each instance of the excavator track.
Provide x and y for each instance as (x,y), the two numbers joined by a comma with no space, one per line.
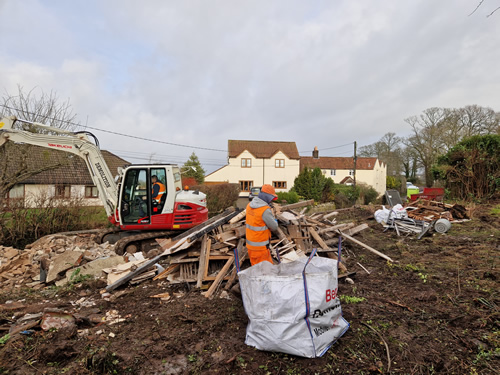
(133,243)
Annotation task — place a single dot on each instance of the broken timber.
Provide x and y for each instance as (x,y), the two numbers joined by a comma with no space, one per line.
(176,243)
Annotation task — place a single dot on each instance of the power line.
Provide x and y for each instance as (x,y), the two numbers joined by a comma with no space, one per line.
(149,139)
(329,148)
(122,134)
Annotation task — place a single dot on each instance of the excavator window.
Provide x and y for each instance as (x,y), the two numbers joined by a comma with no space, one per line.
(134,200)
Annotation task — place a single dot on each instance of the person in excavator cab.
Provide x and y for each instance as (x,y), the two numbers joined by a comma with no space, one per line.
(157,191)
(260,221)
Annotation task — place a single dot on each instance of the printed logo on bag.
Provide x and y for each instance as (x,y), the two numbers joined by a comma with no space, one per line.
(331,294)
(319,331)
(318,313)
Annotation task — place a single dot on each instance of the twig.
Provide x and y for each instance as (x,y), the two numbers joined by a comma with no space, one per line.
(386,346)
(368,272)
(400,305)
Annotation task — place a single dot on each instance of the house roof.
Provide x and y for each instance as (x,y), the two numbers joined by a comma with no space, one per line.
(329,162)
(73,170)
(262,149)
(347,180)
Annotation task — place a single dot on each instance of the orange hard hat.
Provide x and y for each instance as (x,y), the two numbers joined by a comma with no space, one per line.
(269,190)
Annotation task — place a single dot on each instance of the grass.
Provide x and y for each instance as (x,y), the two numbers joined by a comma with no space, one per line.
(495,211)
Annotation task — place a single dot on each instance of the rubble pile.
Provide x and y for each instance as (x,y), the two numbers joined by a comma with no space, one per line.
(49,259)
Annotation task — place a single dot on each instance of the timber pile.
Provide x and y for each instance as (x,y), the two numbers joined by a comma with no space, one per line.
(431,210)
(210,260)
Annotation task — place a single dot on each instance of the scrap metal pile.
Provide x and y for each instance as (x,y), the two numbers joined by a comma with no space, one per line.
(421,216)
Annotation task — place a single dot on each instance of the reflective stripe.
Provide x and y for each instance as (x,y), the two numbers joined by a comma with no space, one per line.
(251,243)
(257,229)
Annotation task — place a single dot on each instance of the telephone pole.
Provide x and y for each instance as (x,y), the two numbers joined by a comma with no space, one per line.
(355,158)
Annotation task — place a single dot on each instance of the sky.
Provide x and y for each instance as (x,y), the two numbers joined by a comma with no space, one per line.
(193,74)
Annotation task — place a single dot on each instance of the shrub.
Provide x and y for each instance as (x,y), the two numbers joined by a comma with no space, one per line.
(20,226)
(288,197)
(471,169)
(312,184)
(345,195)
(367,194)
(219,197)
(392,182)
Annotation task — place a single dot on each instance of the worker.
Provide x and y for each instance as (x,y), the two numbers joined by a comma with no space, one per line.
(158,189)
(260,222)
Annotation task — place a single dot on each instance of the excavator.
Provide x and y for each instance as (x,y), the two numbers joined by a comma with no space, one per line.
(127,198)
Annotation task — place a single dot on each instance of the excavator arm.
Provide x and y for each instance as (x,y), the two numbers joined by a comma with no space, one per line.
(75,143)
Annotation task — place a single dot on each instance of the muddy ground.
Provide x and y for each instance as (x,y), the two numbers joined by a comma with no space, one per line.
(435,310)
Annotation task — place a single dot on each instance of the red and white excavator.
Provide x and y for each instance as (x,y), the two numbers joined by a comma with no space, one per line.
(127,198)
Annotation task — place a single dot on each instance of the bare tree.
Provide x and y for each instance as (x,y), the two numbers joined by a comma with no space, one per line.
(409,160)
(479,5)
(388,150)
(35,106)
(427,140)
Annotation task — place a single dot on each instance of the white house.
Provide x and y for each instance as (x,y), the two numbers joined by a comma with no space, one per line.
(71,180)
(255,163)
(342,170)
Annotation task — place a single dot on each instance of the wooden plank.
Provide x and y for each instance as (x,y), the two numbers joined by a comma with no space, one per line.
(226,236)
(382,255)
(282,236)
(296,236)
(334,213)
(207,260)
(334,228)
(318,238)
(238,217)
(242,255)
(168,271)
(297,205)
(219,278)
(203,259)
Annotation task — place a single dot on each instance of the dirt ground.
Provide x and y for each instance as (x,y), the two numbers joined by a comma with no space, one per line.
(435,310)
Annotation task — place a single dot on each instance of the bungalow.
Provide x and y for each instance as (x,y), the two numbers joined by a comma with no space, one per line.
(255,163)
(71,179)
(342,170)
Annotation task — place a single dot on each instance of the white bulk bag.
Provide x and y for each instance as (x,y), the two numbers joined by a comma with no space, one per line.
(293,307)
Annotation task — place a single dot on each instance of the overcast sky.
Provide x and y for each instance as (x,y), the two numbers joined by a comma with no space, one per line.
(197,73)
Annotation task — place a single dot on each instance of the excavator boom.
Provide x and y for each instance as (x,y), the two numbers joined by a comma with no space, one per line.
(75,143)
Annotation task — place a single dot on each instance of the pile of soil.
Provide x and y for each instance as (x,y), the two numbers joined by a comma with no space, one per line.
(434,310)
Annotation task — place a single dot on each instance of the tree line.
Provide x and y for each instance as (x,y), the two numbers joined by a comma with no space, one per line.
(433,133)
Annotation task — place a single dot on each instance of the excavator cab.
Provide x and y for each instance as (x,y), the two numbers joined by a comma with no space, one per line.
(147,196)
(144,194)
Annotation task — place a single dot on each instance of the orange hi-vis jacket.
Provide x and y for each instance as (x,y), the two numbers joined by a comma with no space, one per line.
(257,235)
(162,191)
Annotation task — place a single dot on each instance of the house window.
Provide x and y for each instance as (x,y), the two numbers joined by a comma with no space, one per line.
(279,163)
(246,185)
(91,192)
(63,191)
(279,184)
(333,172)
(246,163)
(351,172)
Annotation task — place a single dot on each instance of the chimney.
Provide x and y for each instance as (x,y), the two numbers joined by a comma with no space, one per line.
(315,153)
